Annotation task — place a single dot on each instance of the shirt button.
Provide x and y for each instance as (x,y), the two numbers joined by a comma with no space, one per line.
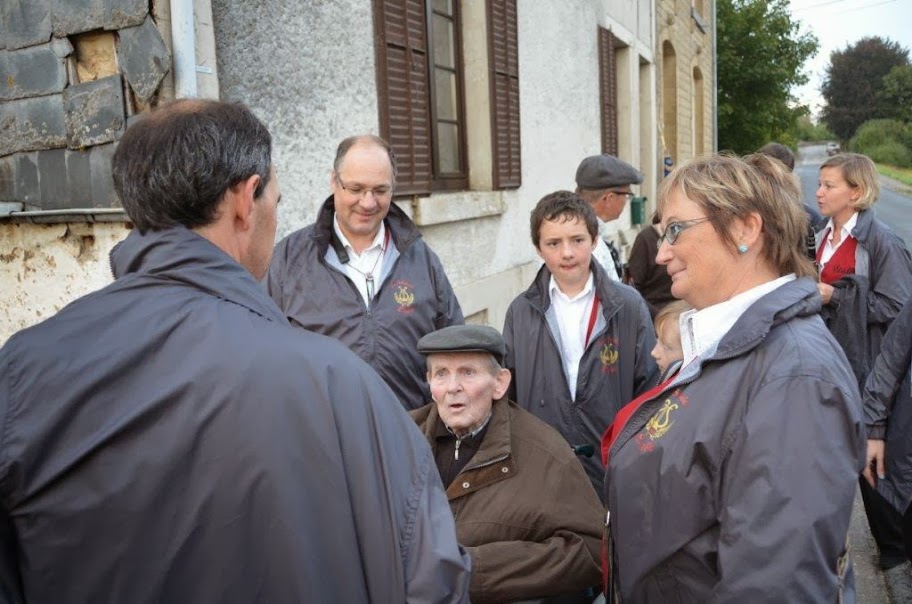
(505,469)
(465,485)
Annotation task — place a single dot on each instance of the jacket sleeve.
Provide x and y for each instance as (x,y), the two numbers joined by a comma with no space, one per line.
(438,569)
(10,582)
(891,283)
(566,562)
(448,310)
(646,372)
(886,375)
(510,355)
(786,490)
(638,261)
(275,276)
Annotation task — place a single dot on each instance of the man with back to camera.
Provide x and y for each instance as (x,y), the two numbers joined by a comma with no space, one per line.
(170,438)
(362,274)
(604,181)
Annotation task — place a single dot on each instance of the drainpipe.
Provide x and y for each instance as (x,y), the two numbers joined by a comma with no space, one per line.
(183,42)
(715,84)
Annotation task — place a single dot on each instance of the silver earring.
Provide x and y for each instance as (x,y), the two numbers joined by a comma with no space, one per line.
(742,249)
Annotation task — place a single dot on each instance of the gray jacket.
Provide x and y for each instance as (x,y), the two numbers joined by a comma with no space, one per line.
(735,482)
(883,258)
(888,409)
(615,367)
(414,297)
(170,438)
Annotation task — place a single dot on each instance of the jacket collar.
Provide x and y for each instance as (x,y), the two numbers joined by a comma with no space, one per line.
(496,442)
(181,255)
(798,298)
(863,225)
(605,290)
(403,231)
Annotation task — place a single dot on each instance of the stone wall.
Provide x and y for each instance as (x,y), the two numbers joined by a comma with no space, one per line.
(73,72)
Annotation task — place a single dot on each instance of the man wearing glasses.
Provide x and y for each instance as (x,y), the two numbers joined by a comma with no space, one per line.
(604,181)
(362,274)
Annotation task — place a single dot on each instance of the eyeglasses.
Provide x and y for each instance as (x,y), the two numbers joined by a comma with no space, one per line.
(674,229)
(360,192)
(628,195)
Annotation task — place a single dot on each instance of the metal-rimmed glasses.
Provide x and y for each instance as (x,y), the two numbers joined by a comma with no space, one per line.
(674,229)
(627,195)
(381,192)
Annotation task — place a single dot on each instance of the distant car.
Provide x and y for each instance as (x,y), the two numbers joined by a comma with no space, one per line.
(832,148)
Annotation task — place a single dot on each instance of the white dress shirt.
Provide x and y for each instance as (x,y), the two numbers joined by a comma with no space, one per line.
(573,321)
(702,330)
(828,248)
(368,262)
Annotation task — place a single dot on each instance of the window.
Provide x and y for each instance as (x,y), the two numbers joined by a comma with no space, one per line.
(421,92)
(607,44)
(448,122)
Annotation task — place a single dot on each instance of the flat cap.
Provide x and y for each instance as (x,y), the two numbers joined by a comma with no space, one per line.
(606,171)
(464,338)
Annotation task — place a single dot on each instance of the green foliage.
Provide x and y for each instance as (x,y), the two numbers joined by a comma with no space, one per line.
(806,130)
(892,153)
(885,142)
(896,95)
(854,81)
(760,51)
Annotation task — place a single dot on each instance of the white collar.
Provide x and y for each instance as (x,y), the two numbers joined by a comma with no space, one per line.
(702,330)
(847,228)
(377,242)
(554,289)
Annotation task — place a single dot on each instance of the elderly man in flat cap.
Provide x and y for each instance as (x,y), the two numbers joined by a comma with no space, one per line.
(524,508)
(604,181)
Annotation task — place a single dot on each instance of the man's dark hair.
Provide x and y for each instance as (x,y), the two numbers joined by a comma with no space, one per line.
(346,145)
(563,205)
(174,165)
(780,152)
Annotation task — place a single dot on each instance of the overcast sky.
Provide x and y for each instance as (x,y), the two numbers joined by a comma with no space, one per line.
(839,23)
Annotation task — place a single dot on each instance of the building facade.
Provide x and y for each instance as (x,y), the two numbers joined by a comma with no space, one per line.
(489,104)
(685,59)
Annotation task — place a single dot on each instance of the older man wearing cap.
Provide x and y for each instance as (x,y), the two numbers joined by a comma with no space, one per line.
(604,181)
(524,508)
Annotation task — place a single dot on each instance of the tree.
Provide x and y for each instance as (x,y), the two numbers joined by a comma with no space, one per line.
(854,82)
(896,96)
(759,59)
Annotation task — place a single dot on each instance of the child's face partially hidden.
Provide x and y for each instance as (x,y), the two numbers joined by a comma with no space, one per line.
(668,345)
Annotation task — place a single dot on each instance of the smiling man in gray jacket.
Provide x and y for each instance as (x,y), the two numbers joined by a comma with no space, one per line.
(362,273)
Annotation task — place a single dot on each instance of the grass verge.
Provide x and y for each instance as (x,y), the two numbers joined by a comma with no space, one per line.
(903,175)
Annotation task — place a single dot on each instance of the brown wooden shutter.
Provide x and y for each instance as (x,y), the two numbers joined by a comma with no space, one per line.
(402,86)
(608,90)
(503,51)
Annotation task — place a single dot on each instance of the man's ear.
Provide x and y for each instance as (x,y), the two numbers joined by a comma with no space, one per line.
(243,197)
(501,383)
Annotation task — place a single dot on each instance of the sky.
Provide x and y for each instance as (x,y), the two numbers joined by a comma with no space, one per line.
(840,23)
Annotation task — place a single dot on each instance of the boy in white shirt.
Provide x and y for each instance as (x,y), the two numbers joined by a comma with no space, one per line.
(578,343)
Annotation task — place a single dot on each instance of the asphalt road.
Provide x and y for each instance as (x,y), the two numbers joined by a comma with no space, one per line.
(893,208)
